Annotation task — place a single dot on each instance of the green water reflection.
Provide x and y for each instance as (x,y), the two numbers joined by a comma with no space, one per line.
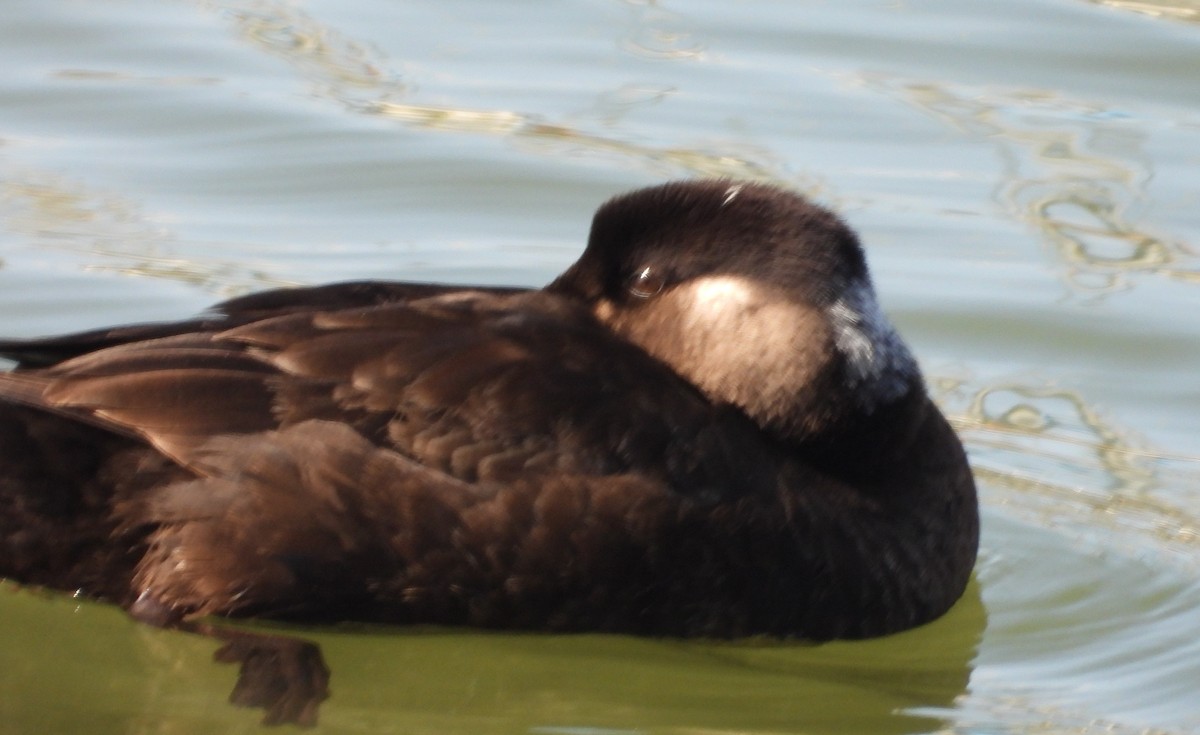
(417,681)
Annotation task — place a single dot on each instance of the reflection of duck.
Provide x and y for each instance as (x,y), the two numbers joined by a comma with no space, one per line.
(703,427)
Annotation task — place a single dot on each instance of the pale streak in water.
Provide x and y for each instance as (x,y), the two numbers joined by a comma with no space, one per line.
(1062,177)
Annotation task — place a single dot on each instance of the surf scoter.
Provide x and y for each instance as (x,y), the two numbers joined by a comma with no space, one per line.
(704,427)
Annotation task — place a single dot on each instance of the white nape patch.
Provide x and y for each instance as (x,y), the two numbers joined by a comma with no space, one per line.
(731,194)
(879,364)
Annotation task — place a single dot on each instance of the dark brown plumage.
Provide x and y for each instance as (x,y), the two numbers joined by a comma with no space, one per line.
(704,427)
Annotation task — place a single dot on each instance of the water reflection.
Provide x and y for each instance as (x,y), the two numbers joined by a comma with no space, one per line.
(1089,562)
(336,66)
(1076,172)
(1184,10)
(112,235)
(658,33)
(611,106)
(1048,455)
(359,77)
(455,681)
(94,75)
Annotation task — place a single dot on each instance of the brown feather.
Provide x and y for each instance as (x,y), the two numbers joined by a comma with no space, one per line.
(553,459)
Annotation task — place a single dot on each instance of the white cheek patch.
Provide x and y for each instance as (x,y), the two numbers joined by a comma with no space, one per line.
(748,346)
(878,363)
(716,296)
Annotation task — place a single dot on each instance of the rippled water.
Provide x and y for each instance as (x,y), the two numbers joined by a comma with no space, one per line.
(1026,176)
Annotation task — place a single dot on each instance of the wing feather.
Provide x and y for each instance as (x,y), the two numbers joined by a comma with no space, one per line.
(474,385)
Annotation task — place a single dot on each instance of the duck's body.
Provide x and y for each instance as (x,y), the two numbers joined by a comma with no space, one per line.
(704,427)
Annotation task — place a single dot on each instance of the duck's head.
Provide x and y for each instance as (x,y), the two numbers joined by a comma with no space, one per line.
(754,294)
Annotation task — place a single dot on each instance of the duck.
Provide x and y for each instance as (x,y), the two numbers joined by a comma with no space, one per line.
(705,427)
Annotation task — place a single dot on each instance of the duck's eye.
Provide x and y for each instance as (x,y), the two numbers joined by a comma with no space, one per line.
(646,283)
